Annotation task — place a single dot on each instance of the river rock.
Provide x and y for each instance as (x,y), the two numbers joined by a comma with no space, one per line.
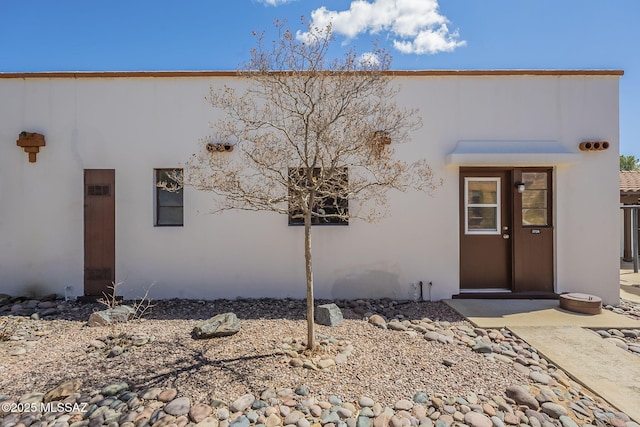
(377,320)
(366,402)
(522,397)
(482,347)
(567,422)
(177,407)
(326,363)
(539,377)
(273,420)
(403,405)
(167,395)
(420,397)
(241,421)
(553,410)
(30,398)
(114,389)
(476,419)
(63,391)
(242,403)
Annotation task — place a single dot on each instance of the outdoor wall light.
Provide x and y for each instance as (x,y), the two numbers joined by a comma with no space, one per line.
(520,187)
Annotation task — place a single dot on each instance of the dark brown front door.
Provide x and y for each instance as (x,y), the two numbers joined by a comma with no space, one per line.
(99,231)
(506,233)
(533,231)
(485,246)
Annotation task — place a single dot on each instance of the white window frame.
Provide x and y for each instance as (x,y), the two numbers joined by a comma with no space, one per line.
(496,205)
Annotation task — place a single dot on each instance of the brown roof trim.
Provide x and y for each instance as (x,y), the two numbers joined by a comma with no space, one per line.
(508,73)
(115,74)
(397,73)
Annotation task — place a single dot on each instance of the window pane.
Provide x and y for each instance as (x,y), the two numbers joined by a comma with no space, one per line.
(535,180)
(482,192)
(482,218)
(169,204)
(167,175)
(169,198)
(331,204)
(534,199)
(170,215)
(534,217)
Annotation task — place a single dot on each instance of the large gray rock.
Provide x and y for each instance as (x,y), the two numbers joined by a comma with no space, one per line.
(221,325)
(119,314)
(328,315)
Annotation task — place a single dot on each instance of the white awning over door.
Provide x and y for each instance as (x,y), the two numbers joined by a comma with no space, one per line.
(510,153)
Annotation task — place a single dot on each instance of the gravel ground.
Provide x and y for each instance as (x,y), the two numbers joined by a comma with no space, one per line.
(385,365)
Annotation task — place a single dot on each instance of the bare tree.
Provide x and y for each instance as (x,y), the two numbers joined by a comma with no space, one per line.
(312,138)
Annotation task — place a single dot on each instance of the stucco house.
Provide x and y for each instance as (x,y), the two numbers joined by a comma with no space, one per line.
(524,210)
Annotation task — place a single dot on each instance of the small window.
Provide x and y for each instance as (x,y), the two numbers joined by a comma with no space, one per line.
(482,205)
(331,206)
(535,199)
(169,200)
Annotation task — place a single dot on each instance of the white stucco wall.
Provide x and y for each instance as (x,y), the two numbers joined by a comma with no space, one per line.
(134,125)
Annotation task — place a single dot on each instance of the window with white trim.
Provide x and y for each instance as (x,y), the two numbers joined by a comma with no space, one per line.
(482,205)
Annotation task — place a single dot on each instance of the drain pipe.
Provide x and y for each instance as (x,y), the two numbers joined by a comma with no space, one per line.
(421,285)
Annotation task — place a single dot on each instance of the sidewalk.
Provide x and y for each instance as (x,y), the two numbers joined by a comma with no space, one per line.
(629,283)
(495,314)
(608,371)
(559,335)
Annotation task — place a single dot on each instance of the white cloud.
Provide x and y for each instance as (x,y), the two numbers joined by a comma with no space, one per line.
(369,59)
(275,2)
(415,26)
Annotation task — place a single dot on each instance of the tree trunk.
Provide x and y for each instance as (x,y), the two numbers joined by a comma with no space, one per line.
(311,340)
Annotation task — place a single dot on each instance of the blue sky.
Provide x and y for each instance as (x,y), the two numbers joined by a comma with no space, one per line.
(120,35)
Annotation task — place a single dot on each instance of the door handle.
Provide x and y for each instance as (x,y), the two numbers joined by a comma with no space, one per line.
(505,236)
